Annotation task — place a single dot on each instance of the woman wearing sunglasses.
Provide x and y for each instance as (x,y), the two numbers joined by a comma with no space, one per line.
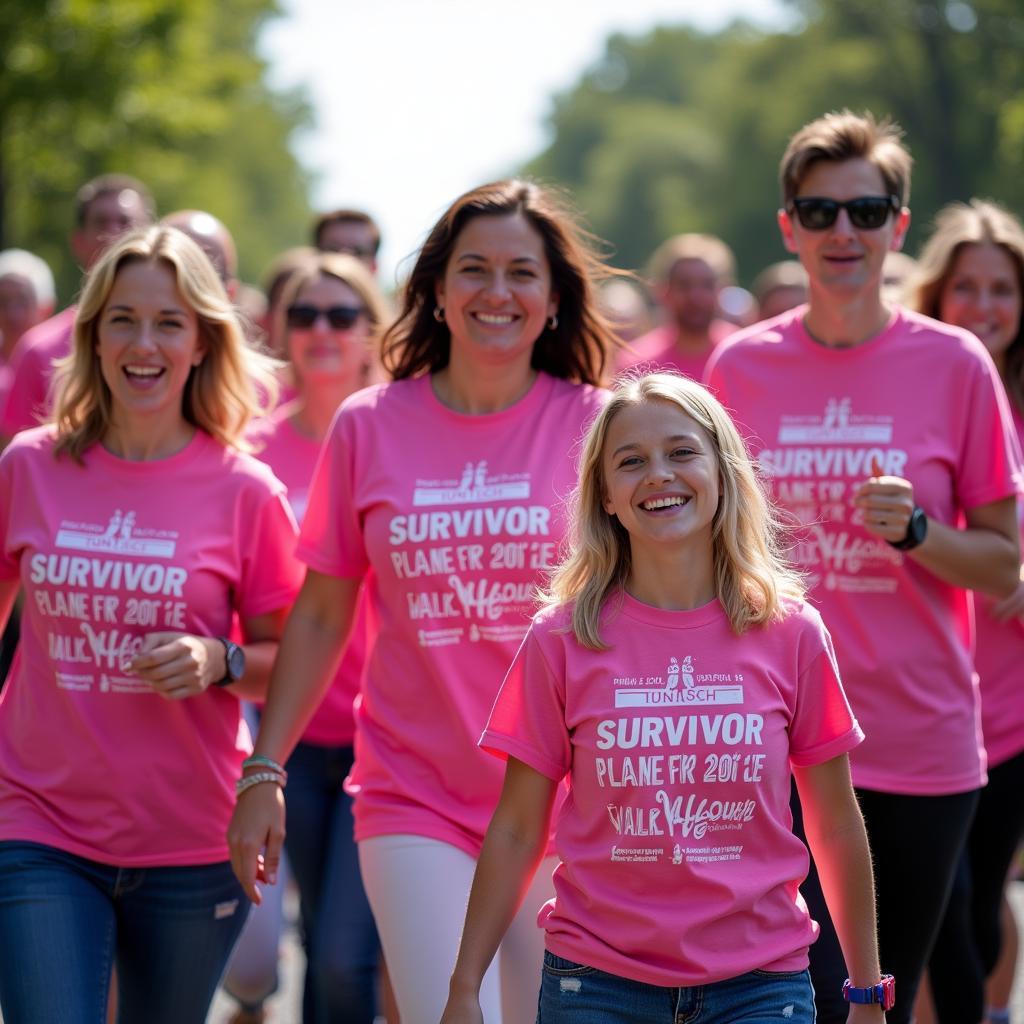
(971,274)
(887,435)
(140,533)
(444,491)
(329,319)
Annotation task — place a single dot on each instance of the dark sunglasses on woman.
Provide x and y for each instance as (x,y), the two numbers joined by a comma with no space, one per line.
(339,317)
(866,213)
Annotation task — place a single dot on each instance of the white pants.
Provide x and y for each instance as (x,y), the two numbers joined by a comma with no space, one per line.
(418,889)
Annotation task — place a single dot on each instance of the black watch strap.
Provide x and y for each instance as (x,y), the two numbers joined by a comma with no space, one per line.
(234,662)
(917,530)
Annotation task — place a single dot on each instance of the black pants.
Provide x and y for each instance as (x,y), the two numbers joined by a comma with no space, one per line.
(916,842)
(969,939)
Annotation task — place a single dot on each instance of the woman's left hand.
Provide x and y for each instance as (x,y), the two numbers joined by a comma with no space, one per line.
(179,665)
(885,503)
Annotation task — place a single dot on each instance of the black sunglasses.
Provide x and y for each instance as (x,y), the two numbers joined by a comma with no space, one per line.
(339,317)
(866,213)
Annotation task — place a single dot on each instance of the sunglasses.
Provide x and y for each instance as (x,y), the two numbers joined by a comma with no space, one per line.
(339,317)
(866,213)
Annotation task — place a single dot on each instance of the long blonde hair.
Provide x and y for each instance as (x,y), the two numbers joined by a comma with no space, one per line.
(751,574)
(232,384)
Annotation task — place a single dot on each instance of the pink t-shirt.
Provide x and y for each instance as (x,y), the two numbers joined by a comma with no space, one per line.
(924,399)
(92,761)
(657,350)
(999,659)
(29,400)
(679,865)
(452,519)
(292,456)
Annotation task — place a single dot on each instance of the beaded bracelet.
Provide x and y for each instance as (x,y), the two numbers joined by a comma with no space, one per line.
(248,781)
(265,763)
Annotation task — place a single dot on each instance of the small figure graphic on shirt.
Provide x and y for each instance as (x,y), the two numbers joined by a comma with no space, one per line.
(114,525)
(673,675)
(687,671)
(126,526)
(677,854)
(481,475)
(467,477)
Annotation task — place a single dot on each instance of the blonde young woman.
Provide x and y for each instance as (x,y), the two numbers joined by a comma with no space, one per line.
(679,680)
(139,529)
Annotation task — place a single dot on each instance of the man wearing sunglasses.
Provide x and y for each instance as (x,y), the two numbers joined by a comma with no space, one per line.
(886,436)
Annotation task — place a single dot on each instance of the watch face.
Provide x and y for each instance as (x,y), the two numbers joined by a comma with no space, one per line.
(235,661)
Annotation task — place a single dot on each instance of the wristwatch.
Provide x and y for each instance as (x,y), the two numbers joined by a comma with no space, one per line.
(884,993)
(917,530)
(234,661)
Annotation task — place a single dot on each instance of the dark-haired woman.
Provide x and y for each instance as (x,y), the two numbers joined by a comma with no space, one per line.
(443,490)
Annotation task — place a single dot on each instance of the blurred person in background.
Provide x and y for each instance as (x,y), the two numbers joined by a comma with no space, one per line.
(686,274)
(624,305)
(971,274)
(352,232)
(887,436)
(779,287)
(27,297)
(105,208)
(898,271)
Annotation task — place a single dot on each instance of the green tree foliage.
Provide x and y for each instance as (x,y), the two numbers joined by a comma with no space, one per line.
(170,91)
(683,131)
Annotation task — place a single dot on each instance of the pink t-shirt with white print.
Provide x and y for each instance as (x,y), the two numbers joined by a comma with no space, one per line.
(92,761)
(999,659)
(679,865)
(922,398)
(452,519)
(293,456)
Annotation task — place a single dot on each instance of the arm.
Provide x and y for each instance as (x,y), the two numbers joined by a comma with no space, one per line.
(8,595)
(513,847)
(839,844)
(308,657)
(985,556)
(180,665)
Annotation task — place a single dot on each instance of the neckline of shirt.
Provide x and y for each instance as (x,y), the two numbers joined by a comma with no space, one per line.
(538,393)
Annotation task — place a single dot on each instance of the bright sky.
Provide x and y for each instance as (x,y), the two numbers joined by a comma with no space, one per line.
(417,101)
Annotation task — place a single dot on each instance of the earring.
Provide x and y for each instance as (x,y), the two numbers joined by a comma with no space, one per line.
(553,322)
(439,314)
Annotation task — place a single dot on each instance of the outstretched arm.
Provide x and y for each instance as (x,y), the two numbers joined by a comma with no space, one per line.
(513,847)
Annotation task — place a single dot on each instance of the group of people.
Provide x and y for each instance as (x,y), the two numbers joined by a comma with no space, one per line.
(672,699)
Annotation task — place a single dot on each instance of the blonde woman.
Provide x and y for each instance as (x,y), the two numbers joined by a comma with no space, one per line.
(678,679)
(139,530)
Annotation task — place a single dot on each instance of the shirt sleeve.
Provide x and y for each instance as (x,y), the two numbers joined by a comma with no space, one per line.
(989,464)
(823,726)
(271,575)
(331,540)
(9,561)
(26,403)
(528,718)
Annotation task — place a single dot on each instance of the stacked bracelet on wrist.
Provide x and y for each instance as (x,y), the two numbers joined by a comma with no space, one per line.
(266,764)
(248,781)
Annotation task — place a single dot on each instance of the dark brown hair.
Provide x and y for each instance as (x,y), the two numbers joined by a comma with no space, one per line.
(577,349)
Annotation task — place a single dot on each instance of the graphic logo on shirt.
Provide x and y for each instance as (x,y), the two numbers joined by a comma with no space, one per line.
(838,424)
(120,536)
(474,486)
(697,688)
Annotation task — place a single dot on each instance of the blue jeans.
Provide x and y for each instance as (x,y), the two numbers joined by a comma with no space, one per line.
(65,920)
(339,932)
(571,993)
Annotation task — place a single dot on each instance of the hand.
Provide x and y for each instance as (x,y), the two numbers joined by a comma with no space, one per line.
(886,503)
(255,837)
(179,665)
(1011,607)
(463,1008)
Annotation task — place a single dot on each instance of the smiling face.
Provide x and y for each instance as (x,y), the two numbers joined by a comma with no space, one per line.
(496,292)
(661,479)
(147,343)
(842,260)
(983,294)
(325,354)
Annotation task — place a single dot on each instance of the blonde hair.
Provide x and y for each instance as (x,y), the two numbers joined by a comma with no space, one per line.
(978,222)
(233,382)
(751,574)
(848,136)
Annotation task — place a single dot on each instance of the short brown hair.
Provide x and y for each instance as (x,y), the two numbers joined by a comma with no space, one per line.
(346,217)
(108,184)
(848,136)
(708,248)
